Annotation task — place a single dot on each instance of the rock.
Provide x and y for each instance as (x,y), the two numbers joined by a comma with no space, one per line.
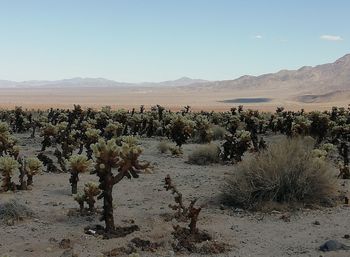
(65,244)
(333,245)
(346,236)
(285,217)
(48,249)
(316,222)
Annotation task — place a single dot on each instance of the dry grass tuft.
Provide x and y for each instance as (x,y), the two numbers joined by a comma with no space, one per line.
(163,146)
(12,211)
(205,154)
(286,173)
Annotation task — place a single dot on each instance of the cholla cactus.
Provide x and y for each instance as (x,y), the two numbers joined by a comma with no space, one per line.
(129,163)
(180,130)
(235,145)
(48,132)
(203,129)
(319,125)
(318,153)
(300,125)
(8,166)
(106,153)
(13,150)
(130,140)
(324,151)
(78,164)
(91,190)
(80,198)
(32,167)
(4,137)
(108,156)
(233,123)
(91,137)
(113,129)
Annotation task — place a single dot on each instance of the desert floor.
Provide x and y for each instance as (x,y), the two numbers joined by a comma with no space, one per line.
(145,201)
(173,98)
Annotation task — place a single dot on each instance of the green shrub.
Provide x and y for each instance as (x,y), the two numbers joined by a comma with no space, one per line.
(287,172)
(205,154)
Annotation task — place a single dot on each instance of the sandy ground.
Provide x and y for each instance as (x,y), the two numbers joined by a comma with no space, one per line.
(174,98)
(144,200)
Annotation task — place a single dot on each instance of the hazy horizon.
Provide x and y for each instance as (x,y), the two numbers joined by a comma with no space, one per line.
(154,41)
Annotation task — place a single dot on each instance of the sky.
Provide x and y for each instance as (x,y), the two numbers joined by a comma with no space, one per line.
(157,40)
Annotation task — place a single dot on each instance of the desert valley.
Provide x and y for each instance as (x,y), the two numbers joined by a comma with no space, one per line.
(311,88)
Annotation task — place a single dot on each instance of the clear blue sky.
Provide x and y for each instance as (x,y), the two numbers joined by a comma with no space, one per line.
(155,40)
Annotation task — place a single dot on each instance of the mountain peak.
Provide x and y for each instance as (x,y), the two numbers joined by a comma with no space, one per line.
(343,60)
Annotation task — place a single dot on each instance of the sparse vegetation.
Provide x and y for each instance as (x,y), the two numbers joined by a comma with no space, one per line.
(298,170)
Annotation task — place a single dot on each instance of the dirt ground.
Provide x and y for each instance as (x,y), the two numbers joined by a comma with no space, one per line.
(145,201)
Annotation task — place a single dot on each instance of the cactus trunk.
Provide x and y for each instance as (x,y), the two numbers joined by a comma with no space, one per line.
(108,201)
(6,183)
(74,182)
(29,180)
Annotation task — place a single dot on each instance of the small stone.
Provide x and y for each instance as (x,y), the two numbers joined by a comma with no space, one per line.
(346,236)
(65,243)
(285,217)
(316,222)
(48,249)
(333,245)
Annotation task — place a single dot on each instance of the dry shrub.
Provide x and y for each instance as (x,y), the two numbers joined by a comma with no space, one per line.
(205,154)
(218,132)
(163,146)
(14,211)
(286,173)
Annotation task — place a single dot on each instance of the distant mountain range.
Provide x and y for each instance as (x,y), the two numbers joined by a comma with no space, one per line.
(320,84)
(96,82)
(321,79)
(308,84)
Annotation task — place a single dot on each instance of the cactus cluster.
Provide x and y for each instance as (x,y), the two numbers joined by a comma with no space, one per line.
(27,168)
